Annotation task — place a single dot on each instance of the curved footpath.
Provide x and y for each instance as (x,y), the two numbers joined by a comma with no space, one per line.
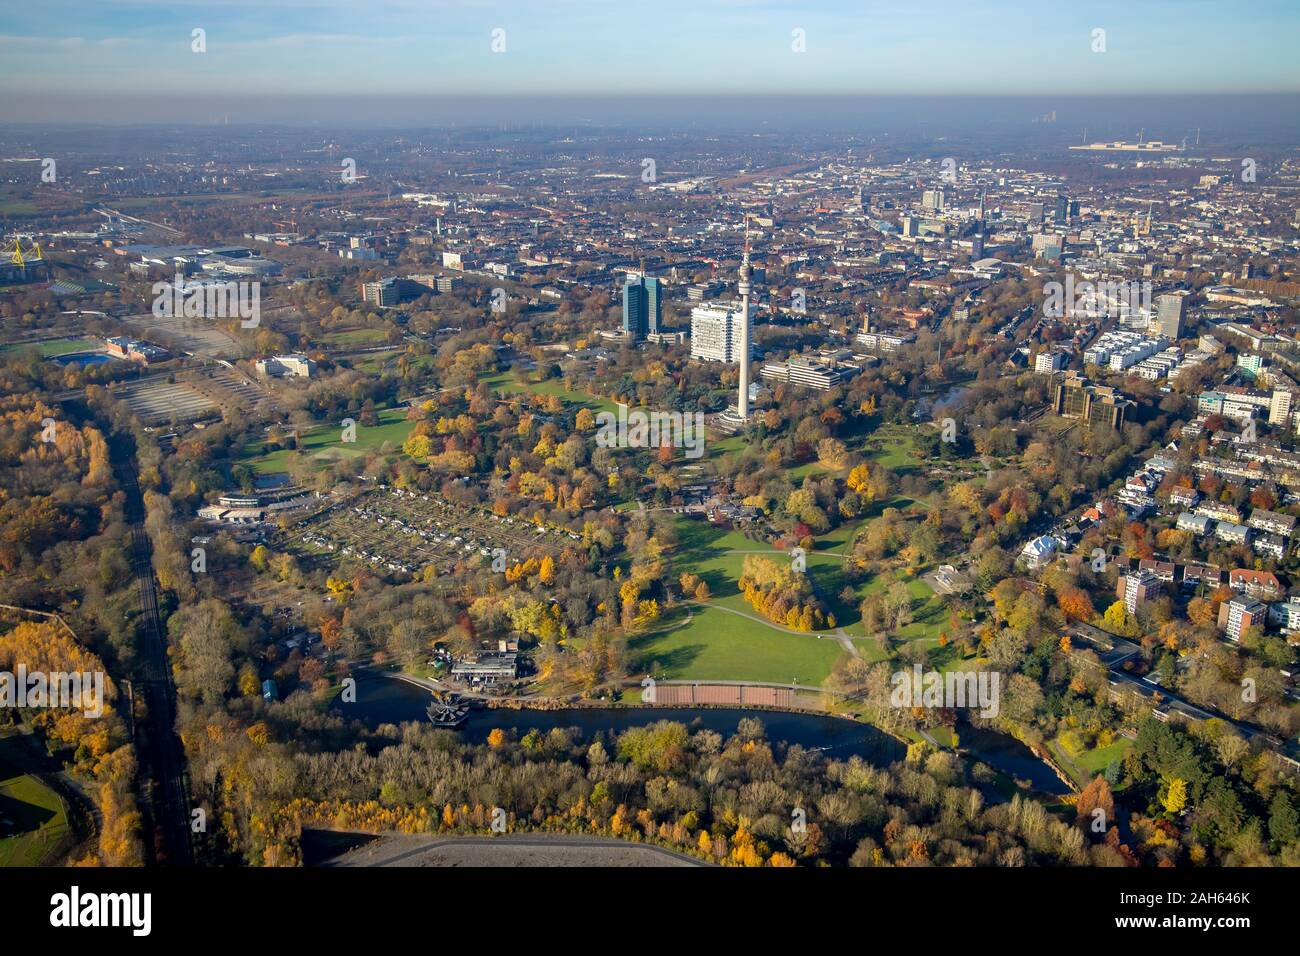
(513,849)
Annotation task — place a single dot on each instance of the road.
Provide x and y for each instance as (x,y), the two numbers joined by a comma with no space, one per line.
(1122,650)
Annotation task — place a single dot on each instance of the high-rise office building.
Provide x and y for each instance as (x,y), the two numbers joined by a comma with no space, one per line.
(933,200)
(395,290)
(1062,208)
(1075,397)
(715,333)
(642,308)
(1169,313)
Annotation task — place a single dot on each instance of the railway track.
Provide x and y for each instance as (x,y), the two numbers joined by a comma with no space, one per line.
(167,793)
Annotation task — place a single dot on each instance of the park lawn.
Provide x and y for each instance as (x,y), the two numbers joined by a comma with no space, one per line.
(354,338)
(1091,762)
(945,736)
(54,347)
(503,383)
(840,539)
(731,444)
(928,612)
(322,442)
(32,818)
(718,557)
(1098,759)
(716,645)
(814,469)
(303,192)
(374,363)
(32,821)
(893,446)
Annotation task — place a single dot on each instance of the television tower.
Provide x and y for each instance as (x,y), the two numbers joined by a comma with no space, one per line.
(744,288)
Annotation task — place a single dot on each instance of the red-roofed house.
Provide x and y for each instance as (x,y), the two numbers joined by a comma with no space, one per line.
(1256,584)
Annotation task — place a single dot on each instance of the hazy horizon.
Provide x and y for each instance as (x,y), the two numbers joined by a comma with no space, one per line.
(63,58)
(1170,117)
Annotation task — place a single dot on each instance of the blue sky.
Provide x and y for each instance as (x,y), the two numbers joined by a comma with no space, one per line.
(667,46)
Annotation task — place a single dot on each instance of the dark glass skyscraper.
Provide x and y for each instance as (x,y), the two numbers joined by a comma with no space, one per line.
(641,307)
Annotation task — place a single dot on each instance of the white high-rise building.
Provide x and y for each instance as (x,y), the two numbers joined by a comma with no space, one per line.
(715,333)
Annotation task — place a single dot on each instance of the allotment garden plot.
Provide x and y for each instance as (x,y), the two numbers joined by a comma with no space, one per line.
(404,531)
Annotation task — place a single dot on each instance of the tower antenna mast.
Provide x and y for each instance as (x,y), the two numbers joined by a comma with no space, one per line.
(744,288)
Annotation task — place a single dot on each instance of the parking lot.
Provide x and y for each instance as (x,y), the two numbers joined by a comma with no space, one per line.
(404,532)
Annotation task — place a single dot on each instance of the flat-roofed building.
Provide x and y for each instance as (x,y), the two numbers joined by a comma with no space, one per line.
(134,350)
(489,667)
(1073,396)
(1285,615)
(804,371)
(394,290)
(884,341)
(1052,360)
(279,366)
(1239,615)
(1137,589)
(1169,313)
(642,307)
(715,333)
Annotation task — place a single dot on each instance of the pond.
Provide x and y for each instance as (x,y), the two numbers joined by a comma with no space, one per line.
(386,700)
(382,700)
(1007,754)
(83,358)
